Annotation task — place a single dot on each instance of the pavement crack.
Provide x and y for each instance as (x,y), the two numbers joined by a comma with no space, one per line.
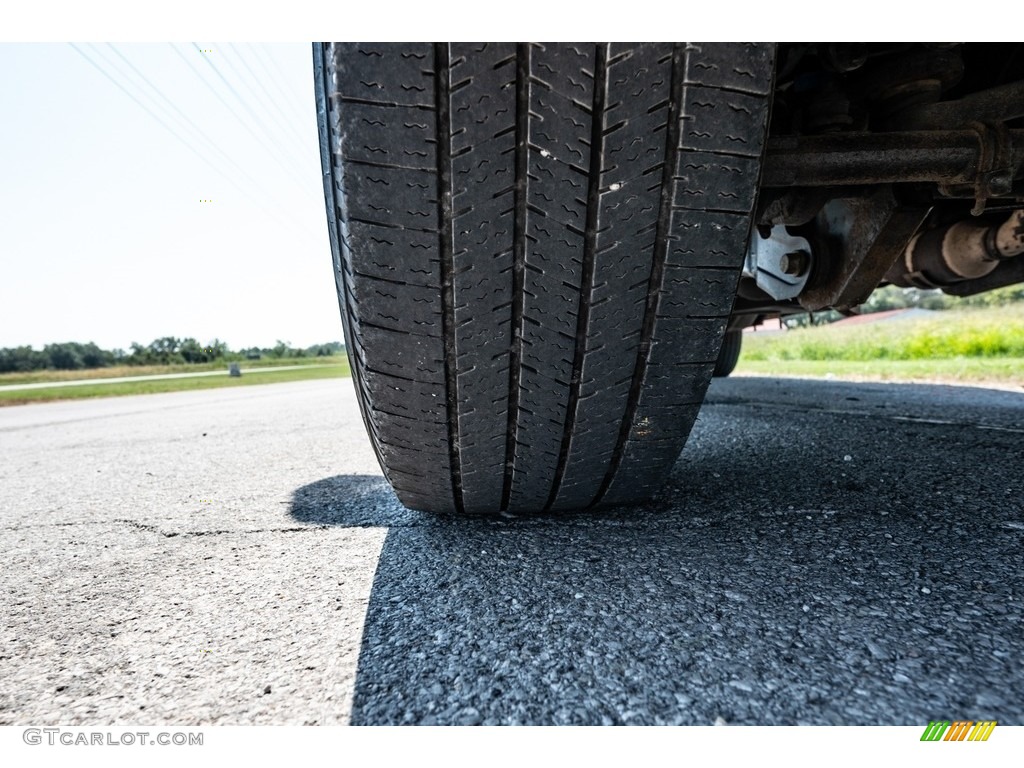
(140,526)
(30,526)
(174,534)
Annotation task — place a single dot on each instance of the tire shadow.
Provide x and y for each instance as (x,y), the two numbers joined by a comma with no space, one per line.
(803,565)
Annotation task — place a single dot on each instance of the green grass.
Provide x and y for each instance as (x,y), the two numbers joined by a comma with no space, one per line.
(16,397)
(1007,370)
(974,345)
(33,377)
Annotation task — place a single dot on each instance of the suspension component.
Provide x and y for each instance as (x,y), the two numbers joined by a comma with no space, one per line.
(851,159)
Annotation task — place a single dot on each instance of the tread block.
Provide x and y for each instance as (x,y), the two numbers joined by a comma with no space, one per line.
(396,255)
(415,308)
(399,74)
(716,182)
(707,239)
(483,77)
(687,293)
(396,197)
(565,69)
(403,356)
(739,66)
(723,121)
(388,135)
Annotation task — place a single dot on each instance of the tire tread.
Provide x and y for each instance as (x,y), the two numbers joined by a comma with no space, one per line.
(537,249)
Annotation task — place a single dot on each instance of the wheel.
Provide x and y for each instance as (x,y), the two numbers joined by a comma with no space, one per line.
(729,354)
(536,251)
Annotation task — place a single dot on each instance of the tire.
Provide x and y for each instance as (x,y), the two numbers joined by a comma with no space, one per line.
(536,251)
(729,354)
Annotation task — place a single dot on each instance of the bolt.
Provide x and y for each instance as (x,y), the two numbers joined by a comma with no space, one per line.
(795,263)
(1000,183)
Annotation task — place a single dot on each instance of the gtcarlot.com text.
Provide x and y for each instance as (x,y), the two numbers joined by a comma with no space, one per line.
(83,738)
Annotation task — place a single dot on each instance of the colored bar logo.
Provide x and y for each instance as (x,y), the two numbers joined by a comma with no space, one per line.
(961,730)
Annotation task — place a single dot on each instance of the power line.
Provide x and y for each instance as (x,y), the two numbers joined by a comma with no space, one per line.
(212,144)
(244,123)
(190,146)
(288,147)
(129,94)
(288,124)
(269,63)
(251,183)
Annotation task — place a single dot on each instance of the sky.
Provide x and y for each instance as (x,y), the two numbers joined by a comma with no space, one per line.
(152,190)
(107,153)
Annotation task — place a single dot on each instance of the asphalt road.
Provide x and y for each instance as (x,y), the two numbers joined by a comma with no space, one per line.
(823,553)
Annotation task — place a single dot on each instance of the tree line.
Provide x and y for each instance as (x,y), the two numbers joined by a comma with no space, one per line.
(893,297)
(167,350)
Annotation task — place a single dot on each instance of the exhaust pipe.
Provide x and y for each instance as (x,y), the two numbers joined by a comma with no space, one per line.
(957,252)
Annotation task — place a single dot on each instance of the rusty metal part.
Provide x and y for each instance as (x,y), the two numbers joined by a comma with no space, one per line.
(1006,273)
(958,252)
(1004,102)
(792,207)
(852,159)
(995,172)
(1009,238)
(914,78)
(887,80)
(864,236)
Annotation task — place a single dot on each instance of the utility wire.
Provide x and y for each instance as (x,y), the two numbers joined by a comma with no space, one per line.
(288,147)
(190,146)
(210,142)
(269,63)
(285,121)
(250,182)
(243,122)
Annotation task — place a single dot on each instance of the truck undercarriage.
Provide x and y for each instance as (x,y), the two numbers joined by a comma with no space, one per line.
(887,164)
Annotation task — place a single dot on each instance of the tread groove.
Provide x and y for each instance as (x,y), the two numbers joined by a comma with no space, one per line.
(444,197)
(522,132)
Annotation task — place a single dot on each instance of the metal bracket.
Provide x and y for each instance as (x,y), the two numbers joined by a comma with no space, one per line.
(780,264)
(866,234)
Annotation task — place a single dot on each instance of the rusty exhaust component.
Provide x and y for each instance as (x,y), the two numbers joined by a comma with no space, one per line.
(958,252)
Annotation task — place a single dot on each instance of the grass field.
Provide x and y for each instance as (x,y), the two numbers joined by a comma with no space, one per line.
(33,377)
(336,369)
(971,345)
(969,371)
